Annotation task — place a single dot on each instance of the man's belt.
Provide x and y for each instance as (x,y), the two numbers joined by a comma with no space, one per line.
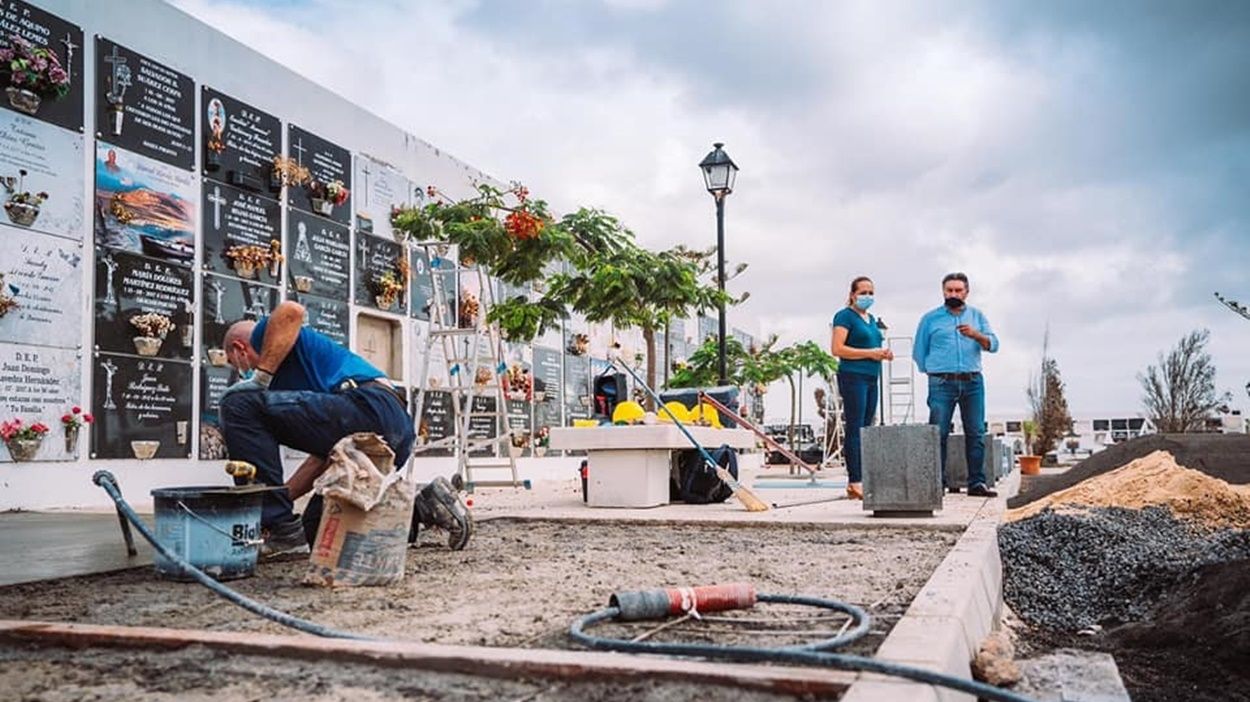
(956,376)
(352,384)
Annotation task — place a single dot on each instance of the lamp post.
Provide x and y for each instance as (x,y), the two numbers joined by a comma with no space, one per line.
(719,174)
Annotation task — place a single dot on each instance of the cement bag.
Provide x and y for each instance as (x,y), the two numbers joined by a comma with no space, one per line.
(363,536)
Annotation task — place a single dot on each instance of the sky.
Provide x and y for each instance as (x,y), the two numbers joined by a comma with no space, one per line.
(1087,165)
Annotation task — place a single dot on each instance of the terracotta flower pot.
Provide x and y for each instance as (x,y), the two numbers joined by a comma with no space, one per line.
(23,100)
(24,449)
(1030,465)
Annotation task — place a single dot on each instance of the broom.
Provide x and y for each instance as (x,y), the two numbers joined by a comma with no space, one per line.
(745,496)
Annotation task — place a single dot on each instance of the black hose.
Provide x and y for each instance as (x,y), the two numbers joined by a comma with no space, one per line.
(810,654)
(105,479)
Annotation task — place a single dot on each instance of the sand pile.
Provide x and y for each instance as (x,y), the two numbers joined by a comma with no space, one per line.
(1153,480)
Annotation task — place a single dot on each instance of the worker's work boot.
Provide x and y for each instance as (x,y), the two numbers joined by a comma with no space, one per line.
(284,537)
(438,505)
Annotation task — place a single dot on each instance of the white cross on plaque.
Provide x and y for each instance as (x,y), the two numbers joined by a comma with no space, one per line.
(299,148)
(68,41)
(217,201)
(366,172)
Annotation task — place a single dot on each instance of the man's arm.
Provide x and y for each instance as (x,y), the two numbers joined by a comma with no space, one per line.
(302,479)
(982,334)
(281,331)
(920,347)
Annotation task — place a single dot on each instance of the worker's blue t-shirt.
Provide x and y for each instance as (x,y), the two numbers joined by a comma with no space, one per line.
(860,334)
(316,362)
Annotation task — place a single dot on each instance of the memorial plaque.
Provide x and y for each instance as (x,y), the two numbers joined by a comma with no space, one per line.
(239,142)
(375,258)
(144,106)
(420,285)
(521,422)
(235,217)
(436,375)
(213,383)
(548,388)
(483,427)
(380,188)
(43,274)
(708,327)
(318,256)
(226,301)
(330,317)
(40,385)
(437,420)
(577,400)
(144,206)
(46,30)
(42,176)
(127,286)
(140,399)
(519,381)
(327,162)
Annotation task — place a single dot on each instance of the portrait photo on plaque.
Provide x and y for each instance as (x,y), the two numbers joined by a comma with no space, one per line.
(242,233)
(40,289)
(382,273)
(41,384)
(50,87)
(380,188)
(143,306)
(41,175)
(328,192)
(318,256)
(144,206)
(144,106)
(330,317)
(226,301)
(239,142)
(141,407)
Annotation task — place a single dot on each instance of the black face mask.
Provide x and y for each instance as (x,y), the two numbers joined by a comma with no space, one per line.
(954,303)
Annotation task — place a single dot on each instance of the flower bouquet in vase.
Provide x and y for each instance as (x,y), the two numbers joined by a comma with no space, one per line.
(21,206)
(35,73)
(324,197)
(153,327)
(71,422)
(23,440)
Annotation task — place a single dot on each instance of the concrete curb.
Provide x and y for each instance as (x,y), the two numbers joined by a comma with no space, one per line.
(944,626)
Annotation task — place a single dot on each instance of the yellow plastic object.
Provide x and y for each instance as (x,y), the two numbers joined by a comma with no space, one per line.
(583,423)
(678,409)
(628,412)
(707,414)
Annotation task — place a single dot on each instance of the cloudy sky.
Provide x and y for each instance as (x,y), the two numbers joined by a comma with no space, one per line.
(1086,164)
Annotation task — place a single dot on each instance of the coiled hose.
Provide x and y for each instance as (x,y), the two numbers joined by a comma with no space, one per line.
(105,479)
(809,654)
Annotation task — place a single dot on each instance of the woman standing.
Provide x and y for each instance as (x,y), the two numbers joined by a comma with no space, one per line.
(857,342)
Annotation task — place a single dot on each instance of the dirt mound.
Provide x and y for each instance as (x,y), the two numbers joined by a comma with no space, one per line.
(1154,480)
(1223,456)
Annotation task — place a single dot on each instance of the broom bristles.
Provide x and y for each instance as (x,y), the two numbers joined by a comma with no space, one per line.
(745,496)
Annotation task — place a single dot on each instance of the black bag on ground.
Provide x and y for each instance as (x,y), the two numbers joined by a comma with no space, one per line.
(697,483)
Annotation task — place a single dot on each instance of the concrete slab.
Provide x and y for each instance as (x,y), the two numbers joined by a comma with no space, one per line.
(1070,675)
(42,546)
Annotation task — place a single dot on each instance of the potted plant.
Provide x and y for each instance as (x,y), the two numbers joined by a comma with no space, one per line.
(248,258)
(287,172)
(1030,463)
(35,73)
(23,440)
(324,197)
(21,206)
(7,302)
(71,422)
(152,326)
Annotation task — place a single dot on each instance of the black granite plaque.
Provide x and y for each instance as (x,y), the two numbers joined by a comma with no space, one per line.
(226,301)
(437,420)
(483,427)
(239,142)
(548,388)
(521,419)
(235,217)
(376,257)
(127,285)
(44,29)
(327,162)
(144,106)
(140,399)
(420,285)
(330,317)
(213,382)
(318,256)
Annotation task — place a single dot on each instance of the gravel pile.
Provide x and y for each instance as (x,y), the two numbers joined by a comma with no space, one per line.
(1104,566)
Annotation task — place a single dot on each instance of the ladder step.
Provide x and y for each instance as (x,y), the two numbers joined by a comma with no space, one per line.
(470,484)
(476,464)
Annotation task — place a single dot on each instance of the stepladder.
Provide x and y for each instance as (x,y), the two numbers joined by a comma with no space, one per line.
(471,349)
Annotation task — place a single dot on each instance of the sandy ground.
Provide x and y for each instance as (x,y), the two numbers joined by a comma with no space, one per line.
(521,583)
(58,675)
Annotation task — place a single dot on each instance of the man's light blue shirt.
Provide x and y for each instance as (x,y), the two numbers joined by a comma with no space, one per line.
(940,348)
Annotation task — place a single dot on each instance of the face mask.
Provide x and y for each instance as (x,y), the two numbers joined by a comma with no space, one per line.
(954,303)
(245,369)
(863,302)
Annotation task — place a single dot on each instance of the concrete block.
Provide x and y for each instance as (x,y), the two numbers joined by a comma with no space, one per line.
(901,469)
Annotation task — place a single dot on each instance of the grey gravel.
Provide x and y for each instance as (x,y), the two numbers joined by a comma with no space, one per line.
(1104,566)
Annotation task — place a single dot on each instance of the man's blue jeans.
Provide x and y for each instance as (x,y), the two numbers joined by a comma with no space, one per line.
(859,409)
(257,423)
(969,395)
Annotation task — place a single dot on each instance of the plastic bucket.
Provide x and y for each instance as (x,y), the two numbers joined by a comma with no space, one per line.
(216,528)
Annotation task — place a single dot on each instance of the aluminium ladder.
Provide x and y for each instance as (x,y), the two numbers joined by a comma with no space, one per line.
(481,439)
(899,405)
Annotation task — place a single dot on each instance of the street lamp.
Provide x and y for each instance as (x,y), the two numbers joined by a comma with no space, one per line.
(719,174)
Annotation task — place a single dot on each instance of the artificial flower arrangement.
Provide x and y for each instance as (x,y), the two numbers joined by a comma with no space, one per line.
(325,196)
(469,310)
(391,283)
(247,258)
(288,172)
(152,324)
(580,345)
(21,206)
(75,418)
(34,73)
(23,440)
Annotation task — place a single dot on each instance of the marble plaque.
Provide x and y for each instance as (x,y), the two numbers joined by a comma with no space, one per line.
(548,387)
(144,106)
(140,399)
(318,255)
(40,385)
(577,401)
(236,217)
(126,286)
(420,285)
(239,142)
(380,188)
(43,274)
(51,160)
(65,39)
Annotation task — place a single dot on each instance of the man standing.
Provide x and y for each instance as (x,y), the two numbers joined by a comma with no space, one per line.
(948,347)
(301,389)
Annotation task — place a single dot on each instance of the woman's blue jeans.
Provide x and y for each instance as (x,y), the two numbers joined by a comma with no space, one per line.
(859,410)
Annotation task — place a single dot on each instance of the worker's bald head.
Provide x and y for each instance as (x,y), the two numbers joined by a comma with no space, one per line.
(238,345)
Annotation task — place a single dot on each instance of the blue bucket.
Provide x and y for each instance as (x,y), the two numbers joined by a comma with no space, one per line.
(216,528)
